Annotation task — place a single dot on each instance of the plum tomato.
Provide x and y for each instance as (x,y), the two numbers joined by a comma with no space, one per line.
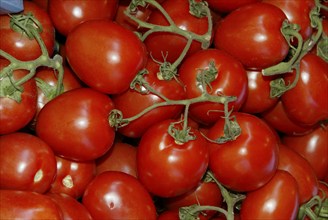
(225,7)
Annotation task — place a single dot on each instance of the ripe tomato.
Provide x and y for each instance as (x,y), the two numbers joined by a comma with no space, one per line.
(19,45)
(313,147)
(301,170)
(307,102)
(26,163)
(75,124)
(126,102)
(252,35)
(72,177)
(280,121)
(27,205)
(70,207)
(120,157)
(226,7)
(117,195)
(168,46)
(66,15)
(230,80)
(16,115)
(104,55)
(278,199)
(258,95)
(167,168)
(250,161)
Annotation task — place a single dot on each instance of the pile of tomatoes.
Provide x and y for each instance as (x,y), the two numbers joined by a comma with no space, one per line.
(167,109)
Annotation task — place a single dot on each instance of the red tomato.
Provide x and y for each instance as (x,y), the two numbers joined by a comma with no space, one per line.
(117,195)
(104,55)
(26,163)
(206,194)
(27,205)
(72,177)
(168,168)
(48,76)
(224,6)
(279,120)
(297,12)
(66,15)
(301,170)
(250,161)
(231,80)
(310,92)
(19,45)
(75,124)
(169,215)
(278,199)
(313,147)
(258,96)
(126,102)
(252,35)
(70,208)
(16,115)
(121,157)
(168,46)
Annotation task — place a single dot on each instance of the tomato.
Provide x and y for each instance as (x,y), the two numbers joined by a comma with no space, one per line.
(27,205)
(225,7)
(250,161)
(164,46)
(26,163)
(75,124)
(48,76)
(126,102)
(279,120)
(278,199)
(169,215)
(252,35)
(297,12)
(230,80)
(19,45)
(104,55)
(117,195)
(301,170)
(16,115)
(205,194)
(313,147)
(310,92)
(70,208)
(72,177)
(121,157)
(168,168)
(258,96)
(66,15)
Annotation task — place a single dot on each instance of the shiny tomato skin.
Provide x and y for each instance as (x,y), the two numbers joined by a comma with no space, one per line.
(75,124)
(310,92)
(225,7)
(168,46)
(231,80)
(131,102)
(70,207)
(17,44)
(278,199)
(250,161)
(258,95)
(120,157)
(16,115)
(167,168)
(72,177)
(16,204)
(66,15)
(313,146)
(117,195)
(27,163)
(252,35)
(105,55)
(301,170)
